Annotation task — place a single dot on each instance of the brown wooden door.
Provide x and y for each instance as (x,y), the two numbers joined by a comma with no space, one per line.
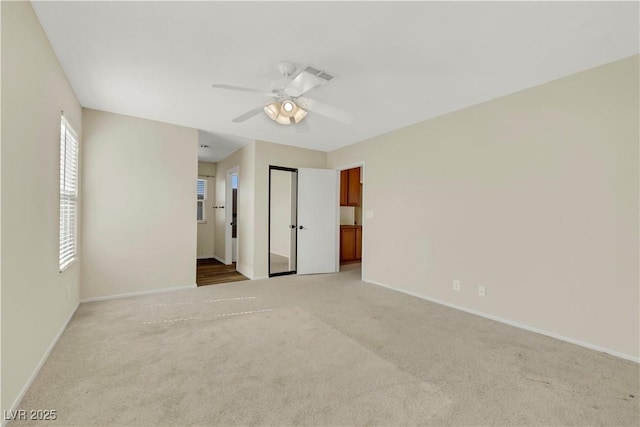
(353,197)
(358,243)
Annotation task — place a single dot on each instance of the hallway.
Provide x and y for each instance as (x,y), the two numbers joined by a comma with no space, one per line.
(212,272)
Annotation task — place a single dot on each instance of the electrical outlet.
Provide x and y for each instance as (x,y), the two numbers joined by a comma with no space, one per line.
(482,291)
(456,285)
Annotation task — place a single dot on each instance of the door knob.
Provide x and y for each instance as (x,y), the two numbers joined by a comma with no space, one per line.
(292,226)
(301,227)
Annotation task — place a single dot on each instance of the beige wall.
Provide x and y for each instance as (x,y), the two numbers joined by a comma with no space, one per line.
(244,160)
(267,154)
(206,230)
(347,215)
(36,298)
(139,228)
(206,168)
(533,195)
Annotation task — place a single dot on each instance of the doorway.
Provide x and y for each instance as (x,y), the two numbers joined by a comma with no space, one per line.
(283,219)
(351,214)
(210,271)
(224,269)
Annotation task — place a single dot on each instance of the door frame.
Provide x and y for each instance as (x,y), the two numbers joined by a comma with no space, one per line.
(360,164)
(284,273)
(228,217)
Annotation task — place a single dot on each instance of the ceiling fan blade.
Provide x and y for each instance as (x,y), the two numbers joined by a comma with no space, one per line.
(302,127)
(248,115)
(243,89)
(326,110)
(301,84)
(306,80)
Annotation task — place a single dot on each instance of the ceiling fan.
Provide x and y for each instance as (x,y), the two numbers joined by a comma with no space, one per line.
(288,105)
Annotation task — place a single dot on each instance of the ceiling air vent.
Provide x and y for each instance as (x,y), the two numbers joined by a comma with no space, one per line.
(326,76)
(318,73)
(312,70)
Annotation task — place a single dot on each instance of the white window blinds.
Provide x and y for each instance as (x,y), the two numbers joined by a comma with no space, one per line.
(202,196)
(68,194)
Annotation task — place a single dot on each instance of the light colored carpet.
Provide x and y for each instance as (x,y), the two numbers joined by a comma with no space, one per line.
(319,350)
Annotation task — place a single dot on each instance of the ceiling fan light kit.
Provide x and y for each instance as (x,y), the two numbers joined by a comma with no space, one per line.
(283,120)
(284,109)
(288,108)
(299,115)
(272,110)
(285,112)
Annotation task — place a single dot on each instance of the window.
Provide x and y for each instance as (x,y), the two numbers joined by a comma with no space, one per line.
(202,197)
(68,194)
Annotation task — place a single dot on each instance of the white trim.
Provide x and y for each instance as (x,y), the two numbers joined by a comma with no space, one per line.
(138,293)
(512,323)
(39,366)
(259,278)
(279,254)
(206,257)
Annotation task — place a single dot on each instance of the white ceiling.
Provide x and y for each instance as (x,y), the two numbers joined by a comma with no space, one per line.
(216,146)
(397,63)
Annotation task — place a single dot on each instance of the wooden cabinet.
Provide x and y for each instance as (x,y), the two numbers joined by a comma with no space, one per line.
(350,187)
(350,243)
(350,235)
(353,197)
(344,187)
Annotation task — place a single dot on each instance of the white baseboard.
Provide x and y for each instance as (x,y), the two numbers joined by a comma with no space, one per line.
(138,293)
(282,255)
(260,277)
(512,323)
(40,364)
(206,257)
